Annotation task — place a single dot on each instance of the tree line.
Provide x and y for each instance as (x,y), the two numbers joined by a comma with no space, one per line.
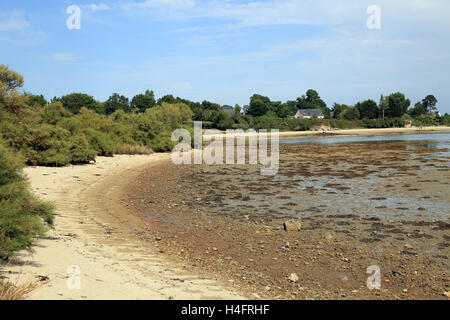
(262,112)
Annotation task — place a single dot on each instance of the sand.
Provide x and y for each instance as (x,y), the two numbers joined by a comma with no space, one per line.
(95,232)
(361,132)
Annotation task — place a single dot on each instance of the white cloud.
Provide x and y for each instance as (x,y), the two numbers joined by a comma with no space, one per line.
(98,7)
(16,29)
(13,21)
(62,57)
(177,4)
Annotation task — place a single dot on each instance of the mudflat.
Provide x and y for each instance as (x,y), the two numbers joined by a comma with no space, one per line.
(346,207)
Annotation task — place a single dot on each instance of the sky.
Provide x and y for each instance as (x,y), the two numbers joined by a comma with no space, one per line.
(226,50)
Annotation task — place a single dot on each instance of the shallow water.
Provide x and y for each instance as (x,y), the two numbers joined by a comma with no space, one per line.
(401,176)
(436,136)
(363,201)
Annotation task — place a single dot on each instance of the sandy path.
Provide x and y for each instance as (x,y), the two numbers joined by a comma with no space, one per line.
(94,231)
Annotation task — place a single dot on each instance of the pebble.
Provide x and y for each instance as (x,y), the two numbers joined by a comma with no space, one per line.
(329,236)
(293,277)
(292,225)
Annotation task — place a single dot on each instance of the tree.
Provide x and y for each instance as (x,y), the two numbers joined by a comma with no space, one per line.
(142,102)
(167,99)
(312,100)
(36,100)
(210,105)
(384,104)
(75,101)
(116,102)
(237,109)
(397,105)
(368,109)
(259,105)
(9,80)
(288,109)
(351,113)
(418,110)
(430,103)
(10,99)
(339,110)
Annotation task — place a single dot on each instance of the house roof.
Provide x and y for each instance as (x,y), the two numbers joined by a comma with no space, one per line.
(228,110)
(310,112)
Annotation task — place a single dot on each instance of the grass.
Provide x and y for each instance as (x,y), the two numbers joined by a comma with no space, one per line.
(133,149)
(11,291)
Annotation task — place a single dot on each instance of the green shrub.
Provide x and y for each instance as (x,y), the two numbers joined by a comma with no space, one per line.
(80,150)
(101,143)
(22,216)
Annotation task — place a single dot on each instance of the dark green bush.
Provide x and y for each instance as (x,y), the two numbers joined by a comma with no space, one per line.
(22,216)
(101,143)
(80,150)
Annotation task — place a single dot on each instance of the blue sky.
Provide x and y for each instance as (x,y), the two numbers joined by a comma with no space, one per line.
(224,51)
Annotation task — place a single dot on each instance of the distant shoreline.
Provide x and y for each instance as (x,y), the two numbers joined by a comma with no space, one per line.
(355,132)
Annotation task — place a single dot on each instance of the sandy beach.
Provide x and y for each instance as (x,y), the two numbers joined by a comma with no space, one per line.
(95,232)
(359,132)
(118,221)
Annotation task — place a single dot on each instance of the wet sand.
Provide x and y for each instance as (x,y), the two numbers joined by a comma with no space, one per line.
(358,205)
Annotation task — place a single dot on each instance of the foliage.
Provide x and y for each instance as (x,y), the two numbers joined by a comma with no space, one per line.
(429,103)
(396,105)
(418,110)
(22,216)
(51,135)
(312,100)
(368,109)
(259,105)
(75,101)
(116,102)
(143,102)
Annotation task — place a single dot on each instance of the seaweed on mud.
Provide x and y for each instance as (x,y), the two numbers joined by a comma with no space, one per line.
(441,225)
(344,216)
(369,240)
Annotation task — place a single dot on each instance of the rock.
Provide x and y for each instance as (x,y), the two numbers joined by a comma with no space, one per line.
(43,278)
(344,278)
(292,225)
(293,277)
(408,246)
(329,237)
(447,294)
